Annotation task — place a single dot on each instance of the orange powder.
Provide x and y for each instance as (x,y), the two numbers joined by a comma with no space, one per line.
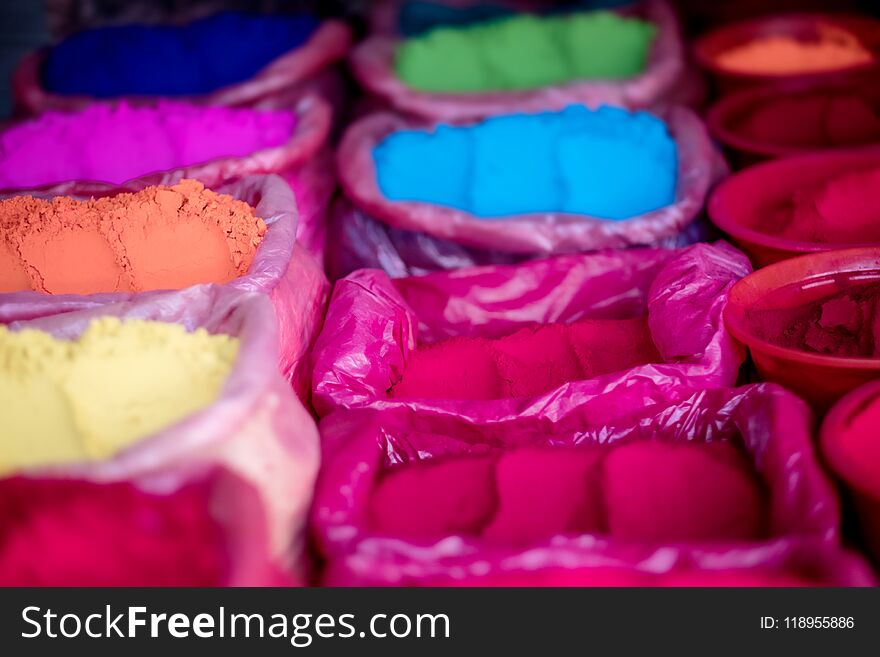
(158,238)
(784,55)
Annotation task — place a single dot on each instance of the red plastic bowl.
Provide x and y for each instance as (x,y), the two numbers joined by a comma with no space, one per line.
(864,488)
(726,118)
(797,25)
(738,204)
(820,379)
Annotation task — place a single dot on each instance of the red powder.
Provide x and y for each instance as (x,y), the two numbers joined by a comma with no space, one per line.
(530,362)
(841,211)
(76,533)
(859,444)
(813,120)
(435,499)
(545,491)
(843,324)
(658,491)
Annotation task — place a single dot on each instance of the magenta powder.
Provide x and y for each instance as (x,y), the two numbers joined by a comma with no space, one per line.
(115,143)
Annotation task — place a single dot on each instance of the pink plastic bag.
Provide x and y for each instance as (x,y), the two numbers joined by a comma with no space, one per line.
(282,269)
(373,324)
(771,425)
(256,444)
(372,63)
(512,238)
(306,64)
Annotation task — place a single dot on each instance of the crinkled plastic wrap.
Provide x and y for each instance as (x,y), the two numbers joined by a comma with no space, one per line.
(373,324)
(353,239)
(282,269)
(297,69)
(372,63)
(257,441)
(771,425)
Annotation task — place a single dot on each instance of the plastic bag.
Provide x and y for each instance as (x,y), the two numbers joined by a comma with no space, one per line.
(771,425)
(281,269)
(372,63)
(256,444)
(374,323)
(306,64)
(513,238)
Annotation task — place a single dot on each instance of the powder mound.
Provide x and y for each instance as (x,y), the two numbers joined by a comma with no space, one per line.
(88,399)
(857,441)
(118,143)
(78,533)
(158,238)
(846,323)
(606,163)
(172,60)
(531,362)
(643,491)
(834,48)
(520,52)
(807,120)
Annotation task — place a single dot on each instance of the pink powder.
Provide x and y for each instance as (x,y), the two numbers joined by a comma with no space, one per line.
(530,362)
(118,143)
(658,491)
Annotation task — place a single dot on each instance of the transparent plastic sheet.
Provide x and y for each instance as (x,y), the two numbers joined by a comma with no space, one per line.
(257,443)
(327,46)
(372,63)
(375,323)
(281,269)
(516,237)
(772,426)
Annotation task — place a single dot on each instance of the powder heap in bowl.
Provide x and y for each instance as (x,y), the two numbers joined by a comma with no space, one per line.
(158,238)
(86,399)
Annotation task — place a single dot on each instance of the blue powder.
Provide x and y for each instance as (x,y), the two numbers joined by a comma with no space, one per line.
(609,163)
(196,58)
(418,17)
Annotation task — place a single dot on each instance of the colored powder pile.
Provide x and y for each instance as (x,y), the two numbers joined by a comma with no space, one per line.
(643,491)
(813,120)
(609,163)
(115,144)
(531,362)
(842,210)
(846,323)
(833,48)
(87,399)
(620,577)
(525,52)
(196,58)
(79,533)
(159,238)
(857,442)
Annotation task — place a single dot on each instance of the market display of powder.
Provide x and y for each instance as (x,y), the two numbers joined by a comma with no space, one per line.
(843,323)
(79,533)
(822,119)
(842,210)
(641,491)
(531,362)
(525,52)
(158,238)
(115,144)
(154,60)
(607,163)
(68,401)
(833,48)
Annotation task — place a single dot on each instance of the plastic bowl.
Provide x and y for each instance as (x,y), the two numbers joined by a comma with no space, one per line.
(726,117)
(737,205)
(819,379)
(864,488)
(798,25)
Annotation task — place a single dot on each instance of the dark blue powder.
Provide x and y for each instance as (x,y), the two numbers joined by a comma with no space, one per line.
(154,60)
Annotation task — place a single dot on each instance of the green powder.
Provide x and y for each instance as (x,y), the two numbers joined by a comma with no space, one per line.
(526,52)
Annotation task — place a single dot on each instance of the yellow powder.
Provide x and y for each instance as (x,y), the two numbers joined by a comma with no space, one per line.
(86,399)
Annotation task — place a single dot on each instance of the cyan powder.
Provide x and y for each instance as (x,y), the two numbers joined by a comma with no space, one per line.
(161,60)
(607,163)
